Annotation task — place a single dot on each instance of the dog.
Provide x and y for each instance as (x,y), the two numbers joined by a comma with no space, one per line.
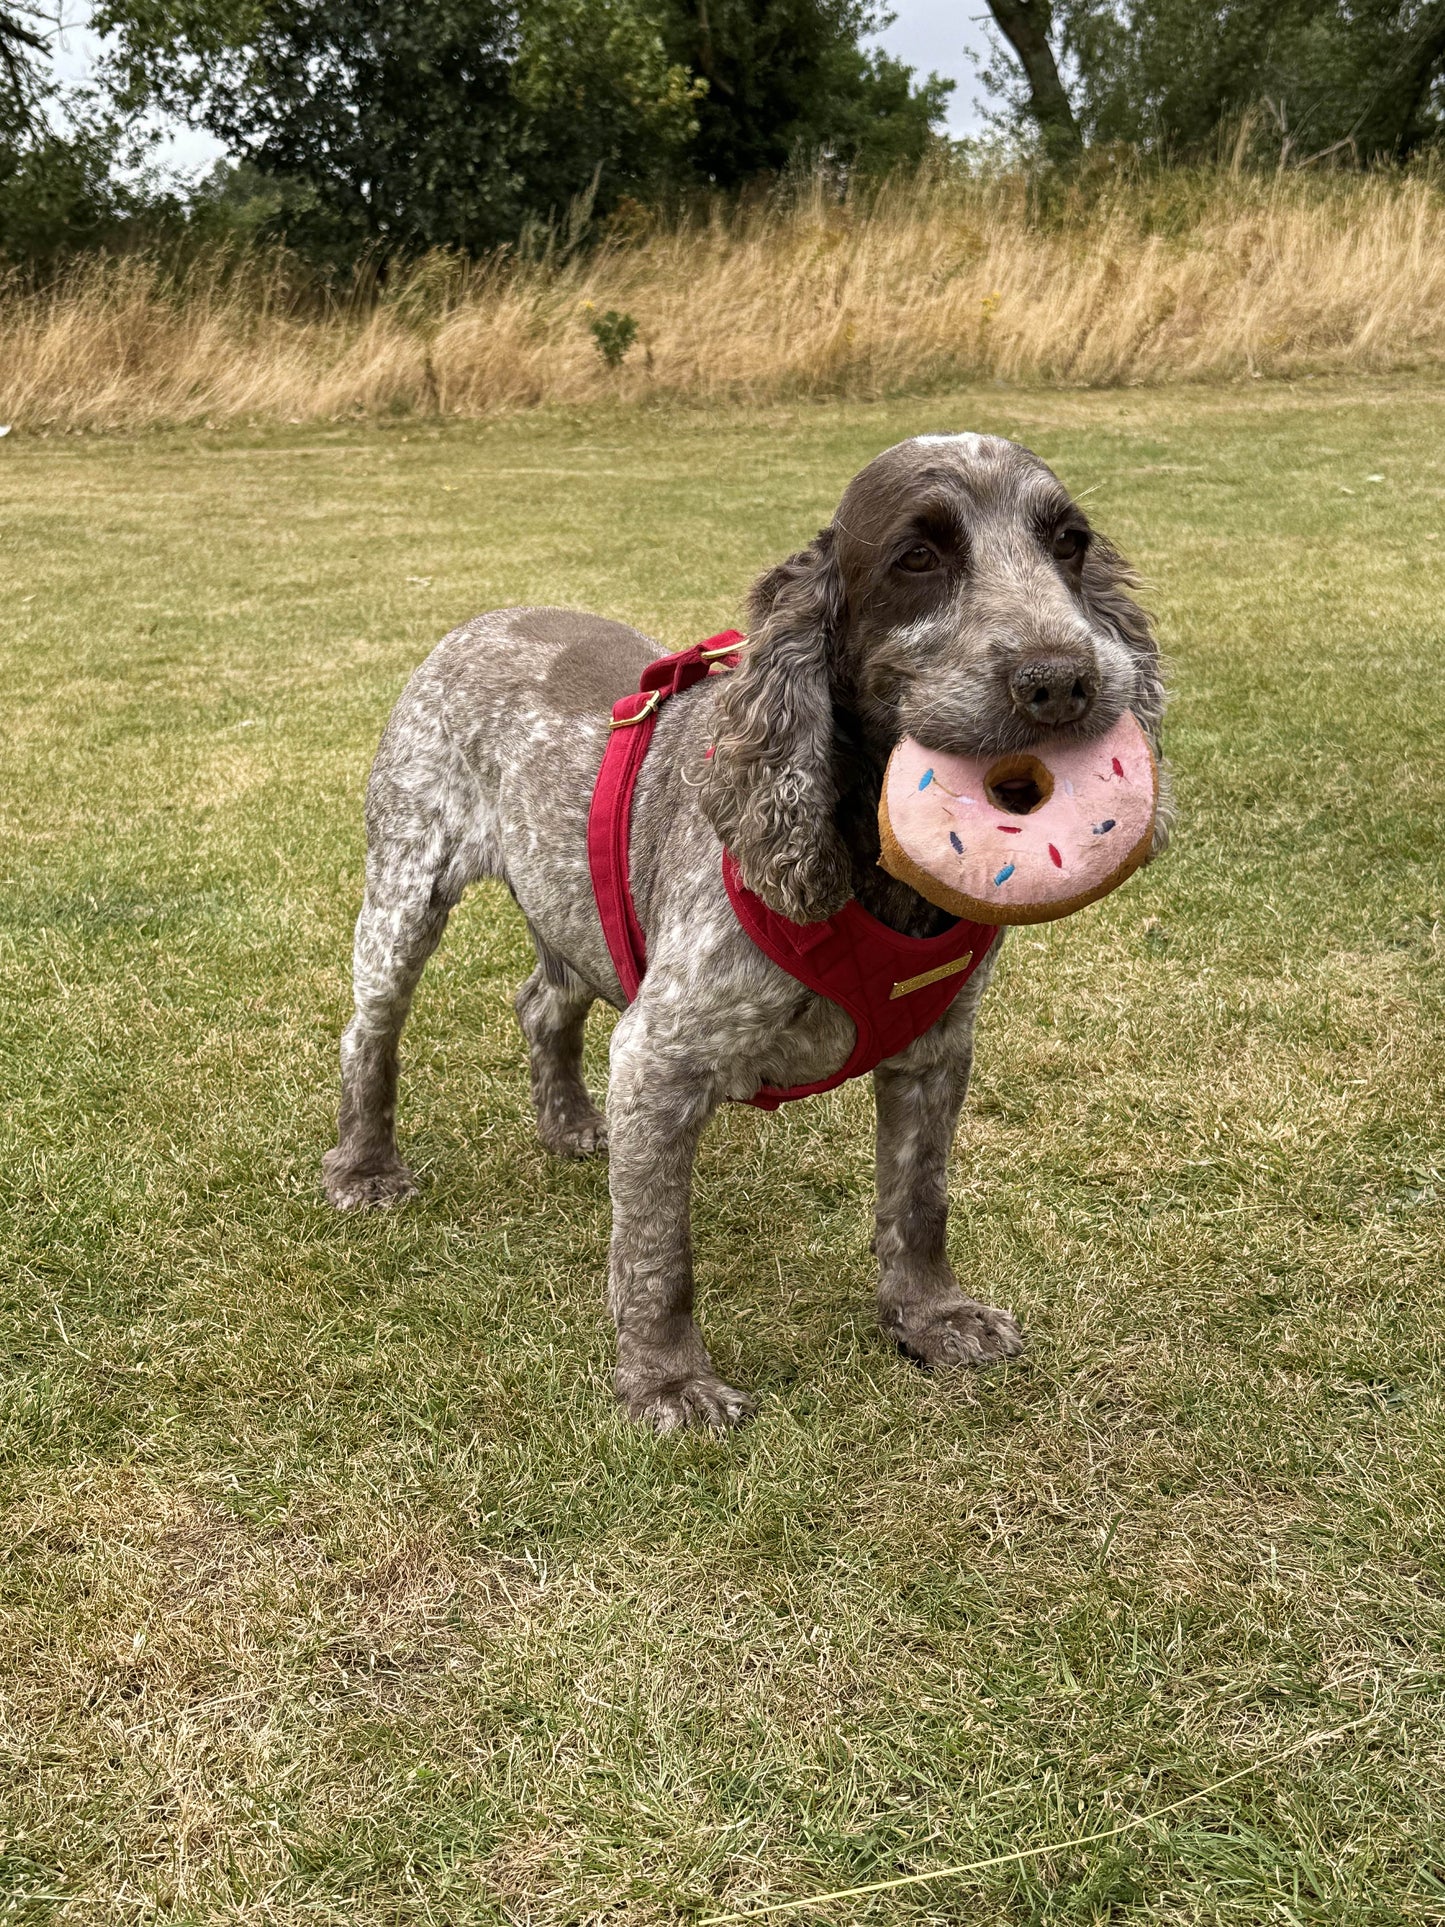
(958,596)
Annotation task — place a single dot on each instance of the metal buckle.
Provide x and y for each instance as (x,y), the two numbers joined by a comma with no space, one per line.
(626,722)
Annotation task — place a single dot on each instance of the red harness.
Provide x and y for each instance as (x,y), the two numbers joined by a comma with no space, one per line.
(893,987)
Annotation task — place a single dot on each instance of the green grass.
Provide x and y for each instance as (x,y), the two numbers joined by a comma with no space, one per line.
(335,1589)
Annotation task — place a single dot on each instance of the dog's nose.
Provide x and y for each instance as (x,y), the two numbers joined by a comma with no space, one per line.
(1053,690)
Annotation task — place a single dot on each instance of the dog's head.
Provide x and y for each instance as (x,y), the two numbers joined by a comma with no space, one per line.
(958,596)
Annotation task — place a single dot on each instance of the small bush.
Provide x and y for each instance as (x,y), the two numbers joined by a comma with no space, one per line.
(614,333)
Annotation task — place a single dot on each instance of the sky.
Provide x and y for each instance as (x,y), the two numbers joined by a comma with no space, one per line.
(930,35)
(935,36)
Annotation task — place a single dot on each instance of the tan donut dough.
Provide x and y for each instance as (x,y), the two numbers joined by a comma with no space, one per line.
(1070,823)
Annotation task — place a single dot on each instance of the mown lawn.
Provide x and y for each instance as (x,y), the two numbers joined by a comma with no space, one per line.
(335,1589)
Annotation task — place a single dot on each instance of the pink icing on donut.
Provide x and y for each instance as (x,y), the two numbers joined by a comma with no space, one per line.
(1020,838)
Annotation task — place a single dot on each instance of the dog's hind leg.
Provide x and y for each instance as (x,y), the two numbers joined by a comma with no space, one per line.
(412,886)
(552,1009)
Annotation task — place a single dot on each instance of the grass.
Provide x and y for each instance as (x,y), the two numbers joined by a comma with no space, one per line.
(1177,275)
(336,1589)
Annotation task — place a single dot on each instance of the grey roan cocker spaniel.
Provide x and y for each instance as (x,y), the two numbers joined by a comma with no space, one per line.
(958,596)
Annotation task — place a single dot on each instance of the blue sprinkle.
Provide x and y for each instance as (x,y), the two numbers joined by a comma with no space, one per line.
(925,779)
(1101,829)
(954,839)
(1005,873)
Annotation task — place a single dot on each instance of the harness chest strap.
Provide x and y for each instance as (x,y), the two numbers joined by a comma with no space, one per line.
(893,987)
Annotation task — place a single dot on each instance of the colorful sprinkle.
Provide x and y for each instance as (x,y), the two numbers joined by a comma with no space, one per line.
(1068,787)
(925,779)
(1004,874)
(1057,860)
(956,840)
(1102,829)
(1118,768)
(1009,829)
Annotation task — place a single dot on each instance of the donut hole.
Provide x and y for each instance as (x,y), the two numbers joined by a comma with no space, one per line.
(1018,784)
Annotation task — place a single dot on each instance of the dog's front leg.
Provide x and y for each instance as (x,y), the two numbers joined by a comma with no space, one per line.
(657,1105)
(920,1304)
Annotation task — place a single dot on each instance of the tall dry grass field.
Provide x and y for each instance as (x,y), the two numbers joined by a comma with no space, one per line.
(927,282)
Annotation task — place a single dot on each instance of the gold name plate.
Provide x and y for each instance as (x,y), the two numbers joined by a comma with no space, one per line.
(908,984)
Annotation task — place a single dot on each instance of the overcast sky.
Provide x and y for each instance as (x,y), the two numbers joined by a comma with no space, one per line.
(931,35)
(935,36)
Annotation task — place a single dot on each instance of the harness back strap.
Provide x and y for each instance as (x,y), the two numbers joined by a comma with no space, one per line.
(609,822)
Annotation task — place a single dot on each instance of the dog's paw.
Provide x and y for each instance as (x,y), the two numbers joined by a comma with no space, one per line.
(672,1405)
(573,1134)
(365,1188)
(962,1332)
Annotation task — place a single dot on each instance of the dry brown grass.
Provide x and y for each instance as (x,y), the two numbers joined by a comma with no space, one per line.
(926,283)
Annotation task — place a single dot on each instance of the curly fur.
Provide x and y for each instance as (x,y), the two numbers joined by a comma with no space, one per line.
(1108,594)
(1015,623)
(770,790)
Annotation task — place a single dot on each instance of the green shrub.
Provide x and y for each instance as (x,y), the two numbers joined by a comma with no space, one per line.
(614,333)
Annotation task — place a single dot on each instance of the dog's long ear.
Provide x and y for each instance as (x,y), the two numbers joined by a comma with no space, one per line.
(1109,585)
(768,789)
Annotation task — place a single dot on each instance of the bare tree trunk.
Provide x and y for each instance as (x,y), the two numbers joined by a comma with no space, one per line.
(1025,25)
(1388,129)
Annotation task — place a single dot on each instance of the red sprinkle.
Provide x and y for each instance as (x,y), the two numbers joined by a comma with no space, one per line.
(1118,767)
(1058,860)
(1010,829)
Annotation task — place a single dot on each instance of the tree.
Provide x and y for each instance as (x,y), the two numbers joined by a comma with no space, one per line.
(602,98)
(454,122)
(22,79)
(59,186)
(789,76)
(444,123)
(1026,25)
(1403,72)
(1296,78)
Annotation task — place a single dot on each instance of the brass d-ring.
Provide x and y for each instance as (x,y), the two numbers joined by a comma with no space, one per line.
(626,722)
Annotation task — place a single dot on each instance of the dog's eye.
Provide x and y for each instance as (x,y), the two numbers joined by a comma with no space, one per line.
(1069,544)
(918,561)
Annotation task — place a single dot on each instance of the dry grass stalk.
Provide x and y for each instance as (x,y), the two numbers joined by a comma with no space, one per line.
(929,282)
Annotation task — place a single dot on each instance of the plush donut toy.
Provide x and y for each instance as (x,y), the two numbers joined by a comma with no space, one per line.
(1022,838)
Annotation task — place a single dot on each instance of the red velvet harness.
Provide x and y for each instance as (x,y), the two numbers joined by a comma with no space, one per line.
(893,987)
